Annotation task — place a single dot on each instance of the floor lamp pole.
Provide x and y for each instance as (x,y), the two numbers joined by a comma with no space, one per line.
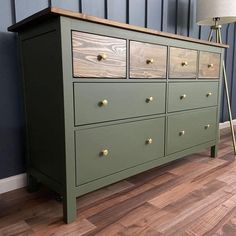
(217,29)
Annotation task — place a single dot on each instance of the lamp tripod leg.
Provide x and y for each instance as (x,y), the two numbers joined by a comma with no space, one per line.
(227,95)
(210,35)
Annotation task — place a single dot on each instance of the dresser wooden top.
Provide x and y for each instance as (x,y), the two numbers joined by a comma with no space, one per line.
(61,12)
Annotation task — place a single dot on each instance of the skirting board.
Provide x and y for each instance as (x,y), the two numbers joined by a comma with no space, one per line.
(12,183)
(19,181)
(226,124)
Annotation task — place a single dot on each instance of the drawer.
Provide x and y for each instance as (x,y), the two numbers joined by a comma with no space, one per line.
(209,65)
(98,102)
(187,95)
(106,150)
(147,60)
(183,63)
(98,56)
(190,129)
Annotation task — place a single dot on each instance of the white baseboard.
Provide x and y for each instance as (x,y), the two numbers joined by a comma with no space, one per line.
(19,181)
(226,124)
(12,183)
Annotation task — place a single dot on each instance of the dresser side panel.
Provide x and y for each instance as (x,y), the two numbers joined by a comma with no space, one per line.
(42,75)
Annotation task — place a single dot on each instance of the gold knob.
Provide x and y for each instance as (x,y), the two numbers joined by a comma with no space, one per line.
(183,96)
(149,141)
(210,65)
(184,63)
(150,61)
(103,103)
(207,126)
(102,56)
(182,133)
(209,94)
(104,152)
(150,99)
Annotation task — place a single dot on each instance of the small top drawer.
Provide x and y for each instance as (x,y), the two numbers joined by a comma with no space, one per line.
(209,65)
(98,56)
(183,63)
(188,95)
(98,102)
(147,60)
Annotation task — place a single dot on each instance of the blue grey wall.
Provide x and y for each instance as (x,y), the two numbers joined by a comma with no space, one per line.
(175,16)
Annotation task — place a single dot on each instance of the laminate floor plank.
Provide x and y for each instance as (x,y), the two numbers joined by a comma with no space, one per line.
(195,195)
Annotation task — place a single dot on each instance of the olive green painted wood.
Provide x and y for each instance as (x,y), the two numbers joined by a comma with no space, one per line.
(86,188)
(43,108)
(67,128)
(190,129)
(69,193)
(127,145)
(214,149)
(183,96)
(123,100)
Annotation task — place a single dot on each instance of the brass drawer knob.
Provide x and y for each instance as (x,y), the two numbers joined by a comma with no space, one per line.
(102,56)
(184,63)
(207,126)
(182,133)
(150,99)
(210,65)
(149,141)
(209,94)
(104,152)
(183,96)
(150,61)
(103,103)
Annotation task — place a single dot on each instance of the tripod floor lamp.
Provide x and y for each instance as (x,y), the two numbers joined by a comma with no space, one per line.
(214,13)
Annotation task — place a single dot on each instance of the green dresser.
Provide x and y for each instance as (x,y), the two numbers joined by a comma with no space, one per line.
(106,100)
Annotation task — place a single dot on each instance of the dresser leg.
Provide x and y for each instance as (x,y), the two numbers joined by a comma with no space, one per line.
(69,209)
(32,183)
(214,151)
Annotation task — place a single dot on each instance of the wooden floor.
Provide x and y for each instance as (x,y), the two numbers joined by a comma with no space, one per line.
(192,196)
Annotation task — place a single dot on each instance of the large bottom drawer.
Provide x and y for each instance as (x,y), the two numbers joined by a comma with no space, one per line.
(106,150)
(190,129)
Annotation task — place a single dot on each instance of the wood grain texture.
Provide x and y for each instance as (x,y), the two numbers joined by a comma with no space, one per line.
(62,12)
(147,60)
(178,56)
(87,50)
(209,65)
(192,196)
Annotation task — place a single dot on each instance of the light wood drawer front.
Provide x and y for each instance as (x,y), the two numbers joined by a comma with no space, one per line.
(187,95)
(98,102)
(183,63)
(209,65)
(190,129)
(98,56)
(106,150)
(147,60)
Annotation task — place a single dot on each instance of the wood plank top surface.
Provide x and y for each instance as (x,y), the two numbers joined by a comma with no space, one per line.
(61,12)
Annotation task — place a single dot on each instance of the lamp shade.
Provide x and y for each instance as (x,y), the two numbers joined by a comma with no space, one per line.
(225,10)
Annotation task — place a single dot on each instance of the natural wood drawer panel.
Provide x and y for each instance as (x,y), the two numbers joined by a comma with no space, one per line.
(98,56)
(183,63)
(209,65)
(191,95)
(98,102)
(190,129)
(147,60)
(106,150)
